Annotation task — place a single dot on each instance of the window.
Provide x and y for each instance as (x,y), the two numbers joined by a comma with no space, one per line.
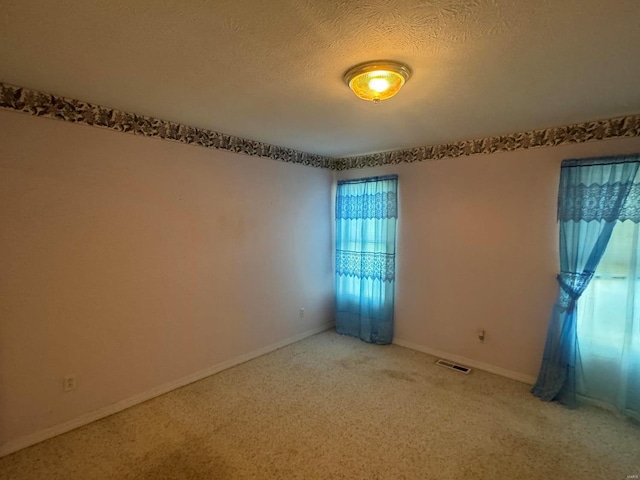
(608,324)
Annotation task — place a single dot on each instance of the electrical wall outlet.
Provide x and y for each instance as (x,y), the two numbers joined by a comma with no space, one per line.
(481,335)
(302,313)
(69,383)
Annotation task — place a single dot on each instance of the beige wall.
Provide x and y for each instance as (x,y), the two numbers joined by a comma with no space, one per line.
(478,248)
(132,262)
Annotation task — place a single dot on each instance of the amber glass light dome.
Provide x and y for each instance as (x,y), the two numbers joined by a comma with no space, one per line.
(375,81)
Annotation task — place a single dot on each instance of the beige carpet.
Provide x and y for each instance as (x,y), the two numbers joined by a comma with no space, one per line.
(332,407)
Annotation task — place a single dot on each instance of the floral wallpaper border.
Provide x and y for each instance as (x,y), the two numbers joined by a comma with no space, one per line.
(628,126)
(52,106)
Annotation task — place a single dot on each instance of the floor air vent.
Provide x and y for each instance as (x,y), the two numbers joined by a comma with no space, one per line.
(453,366)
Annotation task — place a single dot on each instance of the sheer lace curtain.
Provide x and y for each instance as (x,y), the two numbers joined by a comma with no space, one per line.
(366,214)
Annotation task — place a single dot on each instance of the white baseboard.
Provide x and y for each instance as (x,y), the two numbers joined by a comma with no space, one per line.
(521,377)
(37,437)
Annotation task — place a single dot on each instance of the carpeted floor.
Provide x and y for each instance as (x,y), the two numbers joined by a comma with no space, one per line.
(333,407)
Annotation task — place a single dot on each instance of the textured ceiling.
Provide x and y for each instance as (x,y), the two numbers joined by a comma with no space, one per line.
(272,70)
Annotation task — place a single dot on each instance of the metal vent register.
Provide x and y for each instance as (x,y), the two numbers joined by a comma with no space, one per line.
(453,366)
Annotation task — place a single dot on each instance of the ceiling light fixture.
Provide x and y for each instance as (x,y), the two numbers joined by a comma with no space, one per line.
(379,80)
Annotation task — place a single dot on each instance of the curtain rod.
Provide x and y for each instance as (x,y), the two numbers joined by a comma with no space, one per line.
(369,179)
(606,160)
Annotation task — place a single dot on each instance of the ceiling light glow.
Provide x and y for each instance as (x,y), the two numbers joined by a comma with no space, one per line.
(379,84)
